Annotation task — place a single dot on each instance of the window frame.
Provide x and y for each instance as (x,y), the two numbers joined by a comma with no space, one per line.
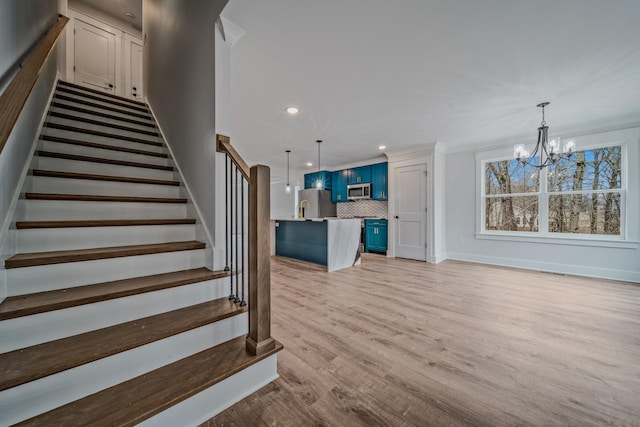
(543,235)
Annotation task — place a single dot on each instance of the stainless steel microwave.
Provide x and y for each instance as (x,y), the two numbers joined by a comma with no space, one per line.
(359,191)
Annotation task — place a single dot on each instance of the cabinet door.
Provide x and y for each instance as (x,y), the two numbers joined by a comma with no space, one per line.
(325,176)
(339,181)
(309,180)
(371,238)
(379,185)
(382,238)
(360,175)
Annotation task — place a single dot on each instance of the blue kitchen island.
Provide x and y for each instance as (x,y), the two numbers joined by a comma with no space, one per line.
(333,242)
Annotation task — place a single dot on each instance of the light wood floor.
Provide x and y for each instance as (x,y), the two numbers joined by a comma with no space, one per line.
(403,343)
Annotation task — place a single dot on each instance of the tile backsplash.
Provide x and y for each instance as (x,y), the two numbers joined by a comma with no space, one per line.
(369,208)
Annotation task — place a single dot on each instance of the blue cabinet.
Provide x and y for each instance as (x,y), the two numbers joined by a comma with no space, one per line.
(311,179)
(360,175)
(375,235)
(339,181)
(379,181)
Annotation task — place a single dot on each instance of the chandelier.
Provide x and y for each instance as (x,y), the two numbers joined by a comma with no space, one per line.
(547,151)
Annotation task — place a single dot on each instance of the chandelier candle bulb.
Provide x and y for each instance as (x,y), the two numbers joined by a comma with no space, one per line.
(569,146)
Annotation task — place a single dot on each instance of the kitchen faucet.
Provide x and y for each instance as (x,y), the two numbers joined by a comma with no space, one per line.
(301,208)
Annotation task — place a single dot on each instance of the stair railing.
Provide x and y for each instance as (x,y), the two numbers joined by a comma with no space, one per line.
(247,213)
(15,96)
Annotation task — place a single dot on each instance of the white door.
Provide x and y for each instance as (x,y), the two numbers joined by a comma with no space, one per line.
(411,212)
(94,57)
(135,61)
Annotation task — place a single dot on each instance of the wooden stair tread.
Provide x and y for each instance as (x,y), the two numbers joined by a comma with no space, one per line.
(133,401)
(104,107)
(76,255)
(101,114)
(103,146)
(28,364)
(44,153)
(21,225)
(99,198)
(59,126)
(103,97)
(99,92)
(101,123)
(93,177)
(42,302)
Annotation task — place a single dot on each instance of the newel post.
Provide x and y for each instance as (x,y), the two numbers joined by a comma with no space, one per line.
(259,339)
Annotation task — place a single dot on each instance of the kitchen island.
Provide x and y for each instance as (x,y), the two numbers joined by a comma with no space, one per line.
(333,242)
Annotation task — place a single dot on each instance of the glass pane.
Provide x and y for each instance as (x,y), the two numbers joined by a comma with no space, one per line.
(510,176)
(518,213)
(597,169)
(589,213)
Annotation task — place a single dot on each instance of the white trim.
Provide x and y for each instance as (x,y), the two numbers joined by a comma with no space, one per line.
(576,270)
(559,240)
(201,224)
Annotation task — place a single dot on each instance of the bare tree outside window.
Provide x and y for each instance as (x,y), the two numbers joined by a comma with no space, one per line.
(583,194)
(508,206)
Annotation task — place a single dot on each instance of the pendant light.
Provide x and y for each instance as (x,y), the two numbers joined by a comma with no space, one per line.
(288,186)
(546,152)
(319,181)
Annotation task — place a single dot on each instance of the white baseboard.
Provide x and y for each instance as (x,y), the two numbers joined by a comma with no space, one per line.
(576,270)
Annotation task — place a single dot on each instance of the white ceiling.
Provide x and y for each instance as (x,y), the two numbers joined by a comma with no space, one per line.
(407,73)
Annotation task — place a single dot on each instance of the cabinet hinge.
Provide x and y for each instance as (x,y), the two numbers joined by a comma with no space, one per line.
(74,68)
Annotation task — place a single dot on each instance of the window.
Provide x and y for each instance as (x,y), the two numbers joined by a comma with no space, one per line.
(583,195)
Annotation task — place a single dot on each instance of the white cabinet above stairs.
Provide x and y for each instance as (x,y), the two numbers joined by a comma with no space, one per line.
(114,315)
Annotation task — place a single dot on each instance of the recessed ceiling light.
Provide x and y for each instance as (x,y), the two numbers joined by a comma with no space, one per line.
(130,15)
(381,147)
(292,110)
(309,164)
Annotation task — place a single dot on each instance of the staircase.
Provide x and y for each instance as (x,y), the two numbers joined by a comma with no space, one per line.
(114,314)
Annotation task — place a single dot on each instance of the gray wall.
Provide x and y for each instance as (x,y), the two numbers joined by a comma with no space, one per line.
(179,74)
(22,24)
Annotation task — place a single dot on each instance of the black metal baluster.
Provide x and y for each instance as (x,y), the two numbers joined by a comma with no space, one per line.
(226,212)
(237,298)
(231,295)
(244,216)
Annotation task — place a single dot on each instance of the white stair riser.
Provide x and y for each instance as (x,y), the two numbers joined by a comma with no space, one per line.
(101,128)
(78,166)
(106,120)
(25,401)
(45,184)
(27,280)
(210,402)
(91,108)
(60,239)
(32,330)
(106,140)
(49,210)
(58,147)
(107,102)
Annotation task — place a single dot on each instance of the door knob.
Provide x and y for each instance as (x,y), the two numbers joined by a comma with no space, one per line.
(396,217)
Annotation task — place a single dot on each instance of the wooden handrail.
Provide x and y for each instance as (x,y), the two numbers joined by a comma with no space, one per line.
(223,145)
(15,96)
